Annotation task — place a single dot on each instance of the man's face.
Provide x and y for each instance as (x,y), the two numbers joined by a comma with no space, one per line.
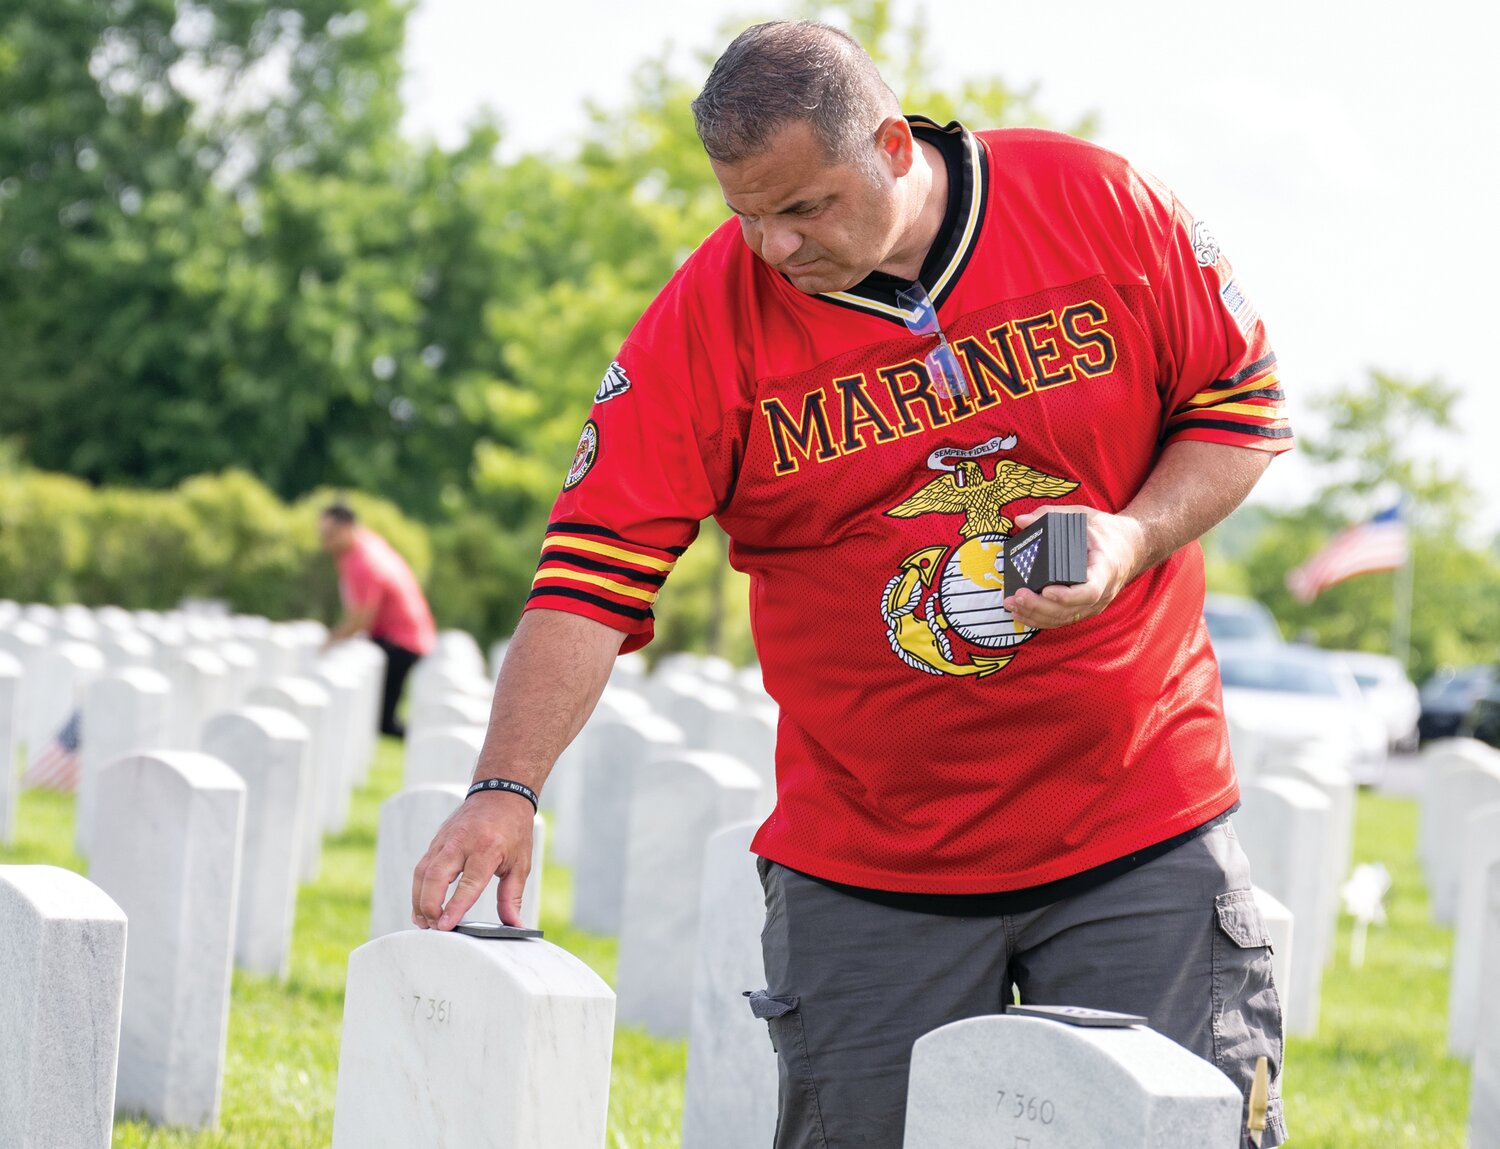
(333,535)
(824,225)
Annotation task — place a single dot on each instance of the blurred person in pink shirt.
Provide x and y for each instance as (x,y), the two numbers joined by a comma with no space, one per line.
(381,598)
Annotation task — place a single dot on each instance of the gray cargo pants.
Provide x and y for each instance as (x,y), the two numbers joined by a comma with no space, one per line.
(851,985)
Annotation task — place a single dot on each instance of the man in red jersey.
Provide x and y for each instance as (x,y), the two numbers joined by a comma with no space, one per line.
(909,340)
(382,598)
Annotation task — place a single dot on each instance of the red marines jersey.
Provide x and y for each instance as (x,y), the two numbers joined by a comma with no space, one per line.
(928,743)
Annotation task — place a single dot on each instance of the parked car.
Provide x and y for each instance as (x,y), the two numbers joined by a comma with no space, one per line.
(1393,696)
(1483,721)
(1231,618)
(1283,699)
(1448,696)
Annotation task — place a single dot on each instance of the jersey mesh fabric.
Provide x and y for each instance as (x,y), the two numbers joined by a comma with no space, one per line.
(926,745)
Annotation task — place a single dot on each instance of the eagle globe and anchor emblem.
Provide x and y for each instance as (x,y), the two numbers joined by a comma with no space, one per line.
(962,588)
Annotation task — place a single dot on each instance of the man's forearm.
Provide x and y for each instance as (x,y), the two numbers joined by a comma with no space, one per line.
(556,667)
(1193,487)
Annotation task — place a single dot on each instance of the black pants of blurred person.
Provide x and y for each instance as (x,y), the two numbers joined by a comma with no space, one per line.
(398,664)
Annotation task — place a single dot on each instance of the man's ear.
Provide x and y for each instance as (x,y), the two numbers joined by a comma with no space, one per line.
(895,145)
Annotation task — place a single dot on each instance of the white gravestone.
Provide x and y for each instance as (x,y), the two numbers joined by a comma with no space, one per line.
(308,702)
(459,648)
(1484,1096)
(409,820)
(55,683)
(1459,791)
(170,858)
(433,681)
(442,756)
(702,709)
(369,661)
(1279,923)
(1467,985)
(62,969)
(1438,759)
(200,687)
(243,665)
(458,1041)
(678,802)
(344,720)
(1331,775)
(1283,825)
(563,792)
(124,712)
(10,776)
(452,710)
(267,748)
(614,750)
(123,648)
(1001,1082)
(731,1069)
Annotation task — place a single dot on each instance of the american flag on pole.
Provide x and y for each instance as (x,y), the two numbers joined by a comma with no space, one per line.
(1376,545)
(56,767)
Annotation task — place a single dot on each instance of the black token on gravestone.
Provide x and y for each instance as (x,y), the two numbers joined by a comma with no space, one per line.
(492,930)
(1052,550)
(1077,1015)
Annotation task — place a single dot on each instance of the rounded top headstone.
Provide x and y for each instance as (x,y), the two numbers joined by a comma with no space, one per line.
(55,894)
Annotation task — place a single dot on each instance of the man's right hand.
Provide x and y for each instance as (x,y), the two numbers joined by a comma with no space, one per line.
(489,834)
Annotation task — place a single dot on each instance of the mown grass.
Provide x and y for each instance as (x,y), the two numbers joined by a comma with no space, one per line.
(1377,1074)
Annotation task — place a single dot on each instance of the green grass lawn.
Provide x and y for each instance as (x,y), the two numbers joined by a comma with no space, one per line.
(1377,1074)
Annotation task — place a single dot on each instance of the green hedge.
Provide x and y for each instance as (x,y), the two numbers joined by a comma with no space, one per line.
(227,536)
(214,536)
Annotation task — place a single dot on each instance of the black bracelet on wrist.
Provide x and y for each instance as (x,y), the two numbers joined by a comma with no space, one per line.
(504,784)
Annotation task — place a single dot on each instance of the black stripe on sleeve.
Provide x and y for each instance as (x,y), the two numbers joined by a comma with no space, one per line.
(629,612)
(602,567)
(1240,376)
(1226,425)
(605,532)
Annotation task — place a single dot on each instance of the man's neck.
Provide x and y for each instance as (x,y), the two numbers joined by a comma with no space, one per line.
(910,253)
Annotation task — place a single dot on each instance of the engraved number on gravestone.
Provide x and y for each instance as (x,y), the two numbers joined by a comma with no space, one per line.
(1028,1108)
(438,1011)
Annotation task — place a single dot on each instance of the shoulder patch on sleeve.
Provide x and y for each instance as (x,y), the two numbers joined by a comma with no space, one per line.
(615,383)
(584,457)
(1205,246)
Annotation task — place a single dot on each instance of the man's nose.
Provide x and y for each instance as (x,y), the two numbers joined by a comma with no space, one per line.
(779,242)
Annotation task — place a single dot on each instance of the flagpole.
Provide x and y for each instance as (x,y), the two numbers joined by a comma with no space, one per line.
(1401,615)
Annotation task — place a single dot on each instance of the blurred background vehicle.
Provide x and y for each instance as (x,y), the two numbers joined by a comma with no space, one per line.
(1390,693)
(1283,700)
(1483,720)
(1231,618)
(1448,696)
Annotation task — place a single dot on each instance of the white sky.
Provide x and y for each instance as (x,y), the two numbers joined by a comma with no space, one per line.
(1346,154)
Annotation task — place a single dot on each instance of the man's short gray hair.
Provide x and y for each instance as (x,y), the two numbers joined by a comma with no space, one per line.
(787,70)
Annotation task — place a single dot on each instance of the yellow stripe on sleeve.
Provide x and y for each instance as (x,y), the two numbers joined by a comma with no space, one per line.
(1207,398)
(593,546)
(609,584)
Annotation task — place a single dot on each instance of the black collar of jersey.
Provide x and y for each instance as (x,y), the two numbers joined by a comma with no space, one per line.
(956,238)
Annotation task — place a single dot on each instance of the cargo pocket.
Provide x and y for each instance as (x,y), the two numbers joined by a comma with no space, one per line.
(774,1011)
(1247,1009)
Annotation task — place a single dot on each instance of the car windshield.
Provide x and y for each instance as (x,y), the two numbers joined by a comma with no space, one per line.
(1288,675)
(1366,680)
(1463,686)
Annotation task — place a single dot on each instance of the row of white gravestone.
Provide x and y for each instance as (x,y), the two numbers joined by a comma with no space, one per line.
(1296,824)
(1458,842)
(1484,1105)
(450,1039)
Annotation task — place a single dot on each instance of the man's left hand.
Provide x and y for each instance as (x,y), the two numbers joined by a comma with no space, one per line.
(1116,547)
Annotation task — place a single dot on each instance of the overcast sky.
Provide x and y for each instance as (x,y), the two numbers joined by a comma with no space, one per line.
(1346,154)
